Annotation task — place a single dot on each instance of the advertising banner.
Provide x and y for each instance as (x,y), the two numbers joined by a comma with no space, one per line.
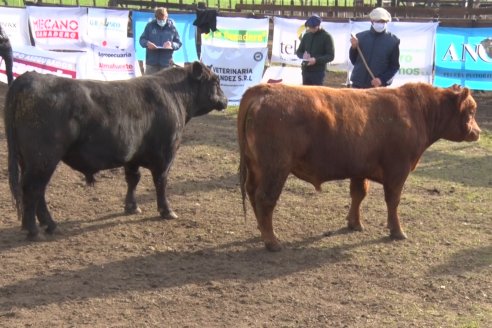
(416,49)
(288,32)
(186,30)
(107,28)
(27,58)
(464,57)
(238,32)
(236,52)
(108,64)
(283,74)
(14,24)
(237,68)
(56,28)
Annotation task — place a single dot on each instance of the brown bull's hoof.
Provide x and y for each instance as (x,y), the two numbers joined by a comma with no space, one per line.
(355,227)
(133,210)
(273,246)
(398,235)
(169,215)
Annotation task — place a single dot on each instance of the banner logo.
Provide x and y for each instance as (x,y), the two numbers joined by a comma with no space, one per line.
(62,29)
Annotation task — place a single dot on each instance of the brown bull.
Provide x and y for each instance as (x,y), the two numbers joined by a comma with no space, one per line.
(322,134)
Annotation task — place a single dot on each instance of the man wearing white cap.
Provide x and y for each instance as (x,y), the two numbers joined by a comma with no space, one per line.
(375,53)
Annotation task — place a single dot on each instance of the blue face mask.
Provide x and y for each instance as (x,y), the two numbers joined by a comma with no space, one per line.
(161,22)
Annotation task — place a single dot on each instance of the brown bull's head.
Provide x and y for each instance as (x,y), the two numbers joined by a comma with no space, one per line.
(468,129)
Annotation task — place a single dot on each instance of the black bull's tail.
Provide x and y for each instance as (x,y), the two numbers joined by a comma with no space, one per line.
(13,149)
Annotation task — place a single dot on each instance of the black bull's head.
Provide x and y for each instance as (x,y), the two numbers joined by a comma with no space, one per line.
(211,94)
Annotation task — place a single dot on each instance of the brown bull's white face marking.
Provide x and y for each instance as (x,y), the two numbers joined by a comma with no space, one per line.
(470,110)
(472,128)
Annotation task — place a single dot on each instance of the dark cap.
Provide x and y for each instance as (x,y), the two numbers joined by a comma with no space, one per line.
(313,21)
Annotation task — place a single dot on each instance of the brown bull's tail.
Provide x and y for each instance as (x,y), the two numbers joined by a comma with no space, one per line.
(242,118)
(13,150)
(242,180)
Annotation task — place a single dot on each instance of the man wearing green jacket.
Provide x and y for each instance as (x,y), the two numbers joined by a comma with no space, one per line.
(316,50)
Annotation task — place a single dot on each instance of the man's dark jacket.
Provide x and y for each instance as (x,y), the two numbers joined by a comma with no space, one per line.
(382,54)
(320,46)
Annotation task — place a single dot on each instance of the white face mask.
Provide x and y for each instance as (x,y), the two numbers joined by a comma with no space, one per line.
(161,22)
(379,27)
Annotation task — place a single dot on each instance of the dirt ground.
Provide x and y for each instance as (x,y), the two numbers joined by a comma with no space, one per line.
(209,268)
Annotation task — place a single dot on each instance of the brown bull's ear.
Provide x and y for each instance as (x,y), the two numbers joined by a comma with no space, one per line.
(197,70)
(465,93)
(465,100)
(456,88)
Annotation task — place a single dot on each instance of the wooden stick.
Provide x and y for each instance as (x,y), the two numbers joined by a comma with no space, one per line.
(364,59)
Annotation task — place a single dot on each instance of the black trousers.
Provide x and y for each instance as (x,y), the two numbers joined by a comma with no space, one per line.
(313,78)
(8,58)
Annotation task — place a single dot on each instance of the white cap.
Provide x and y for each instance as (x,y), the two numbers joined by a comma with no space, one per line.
(378,14)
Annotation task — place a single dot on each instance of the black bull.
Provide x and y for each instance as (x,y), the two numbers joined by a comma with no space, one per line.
(96,125)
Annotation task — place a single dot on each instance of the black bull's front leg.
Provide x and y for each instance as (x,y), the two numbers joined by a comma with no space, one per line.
(160,183)
(159,176)
(160,173)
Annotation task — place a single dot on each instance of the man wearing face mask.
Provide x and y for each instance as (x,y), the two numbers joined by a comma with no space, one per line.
(381,51)
(161,39)
(316,50)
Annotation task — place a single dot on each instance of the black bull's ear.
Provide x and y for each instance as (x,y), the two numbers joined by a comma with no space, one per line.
(197,70)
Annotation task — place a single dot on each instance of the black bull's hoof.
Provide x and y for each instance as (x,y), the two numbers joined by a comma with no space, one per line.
(169,215)
(132,210)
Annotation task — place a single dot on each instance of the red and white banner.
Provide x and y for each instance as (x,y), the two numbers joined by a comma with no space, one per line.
(97,63)
(29,58)
(109,64)
(58,28)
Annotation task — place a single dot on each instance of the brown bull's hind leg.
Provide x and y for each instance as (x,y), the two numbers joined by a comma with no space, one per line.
(265,199)
(392,198)
(264,216)
(358,191)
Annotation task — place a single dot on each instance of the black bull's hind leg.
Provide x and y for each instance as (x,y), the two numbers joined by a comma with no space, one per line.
(34,185)
(44,216)
(132,177)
